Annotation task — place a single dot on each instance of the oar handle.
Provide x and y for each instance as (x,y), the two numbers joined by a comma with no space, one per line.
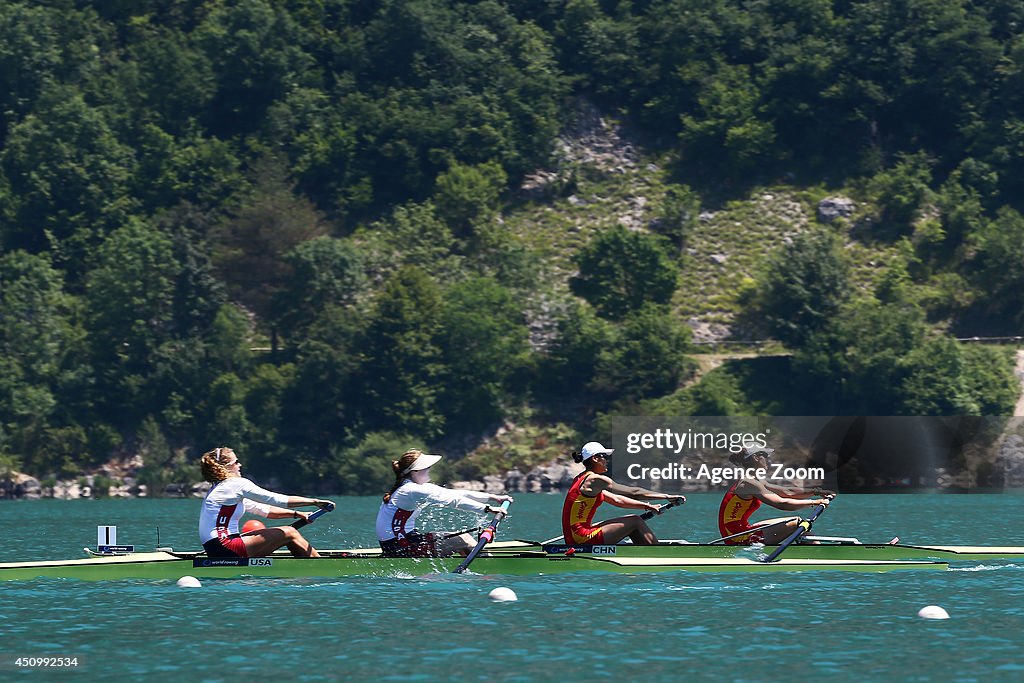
(486,536)
(662,508)
(298,524)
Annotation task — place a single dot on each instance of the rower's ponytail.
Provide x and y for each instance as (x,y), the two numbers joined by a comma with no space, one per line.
(400,466)
(577,456)
(212,464)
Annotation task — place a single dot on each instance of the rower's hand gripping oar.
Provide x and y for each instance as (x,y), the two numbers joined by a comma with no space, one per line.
(801,529)
(298,524)
(486,536)
(663,508)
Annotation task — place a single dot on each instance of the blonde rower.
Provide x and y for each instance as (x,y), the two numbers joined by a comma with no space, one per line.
(231,496)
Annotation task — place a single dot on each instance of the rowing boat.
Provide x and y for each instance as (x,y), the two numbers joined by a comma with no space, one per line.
(514,558)
(521,558)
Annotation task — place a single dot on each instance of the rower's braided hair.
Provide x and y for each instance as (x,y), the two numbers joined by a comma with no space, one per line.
(212,464)
(400,466)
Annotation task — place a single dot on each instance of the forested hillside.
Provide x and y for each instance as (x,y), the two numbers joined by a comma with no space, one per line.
(323,231)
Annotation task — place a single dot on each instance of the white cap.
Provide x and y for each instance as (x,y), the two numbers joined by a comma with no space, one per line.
(424,461)
(754,449)
(592,448)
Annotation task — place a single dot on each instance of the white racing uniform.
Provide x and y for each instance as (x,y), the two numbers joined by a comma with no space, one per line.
(228,500)
(397,517)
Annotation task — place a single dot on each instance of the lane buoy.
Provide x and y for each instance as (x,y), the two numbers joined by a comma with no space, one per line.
(932,612)
(502,594)
(189,582)
(253,525)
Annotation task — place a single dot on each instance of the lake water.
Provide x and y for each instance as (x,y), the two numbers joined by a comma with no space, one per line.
(669,626)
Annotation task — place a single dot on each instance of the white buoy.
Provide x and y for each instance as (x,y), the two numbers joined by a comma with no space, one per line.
(189,582)
(502,594)
(933,612)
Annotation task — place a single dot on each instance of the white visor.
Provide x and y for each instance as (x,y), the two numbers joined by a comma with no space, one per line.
(421,463)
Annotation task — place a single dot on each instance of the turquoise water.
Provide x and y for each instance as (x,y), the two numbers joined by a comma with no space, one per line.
(846,626)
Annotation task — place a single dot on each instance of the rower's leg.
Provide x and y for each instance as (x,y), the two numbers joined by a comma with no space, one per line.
(614,530)
(265,541)
(780,532)
(461,545)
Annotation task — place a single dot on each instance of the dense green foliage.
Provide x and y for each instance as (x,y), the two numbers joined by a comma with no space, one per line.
(278,224)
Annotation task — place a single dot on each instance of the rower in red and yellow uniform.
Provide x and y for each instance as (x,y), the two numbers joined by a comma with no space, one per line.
(590,489)
(747,494)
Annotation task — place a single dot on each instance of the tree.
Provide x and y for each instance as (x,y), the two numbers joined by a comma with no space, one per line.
(69,177)
(38,342)
(324,272)
(572,357)
(467,194)
(251,246)
(30,56)
(901,192)
(484,341)
(402,363)
(620,271)
(1000,261)
(256,51)
(647,356)
(990,379)
(729,120)
(802,286)
(679,214)
(934,381)
(175,81)
(365,469)
(130,304)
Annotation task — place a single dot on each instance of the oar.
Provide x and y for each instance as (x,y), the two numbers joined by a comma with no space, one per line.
(647,515)
(801,528)
(299,523)
(486,536)
(458,533)
(663,508)
(749,531)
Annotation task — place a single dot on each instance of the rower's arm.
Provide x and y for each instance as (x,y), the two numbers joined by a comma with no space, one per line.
(283,513)
(626,502)
(789,504)
(302,501)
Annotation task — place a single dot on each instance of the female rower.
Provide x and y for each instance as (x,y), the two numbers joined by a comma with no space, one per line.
(396,519)
(231,496)
(746,495)
(591,488)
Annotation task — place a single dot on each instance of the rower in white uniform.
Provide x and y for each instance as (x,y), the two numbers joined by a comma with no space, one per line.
(231,496)
(396,518)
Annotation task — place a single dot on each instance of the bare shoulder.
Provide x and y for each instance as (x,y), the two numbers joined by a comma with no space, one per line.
(598,482)
(750,487)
